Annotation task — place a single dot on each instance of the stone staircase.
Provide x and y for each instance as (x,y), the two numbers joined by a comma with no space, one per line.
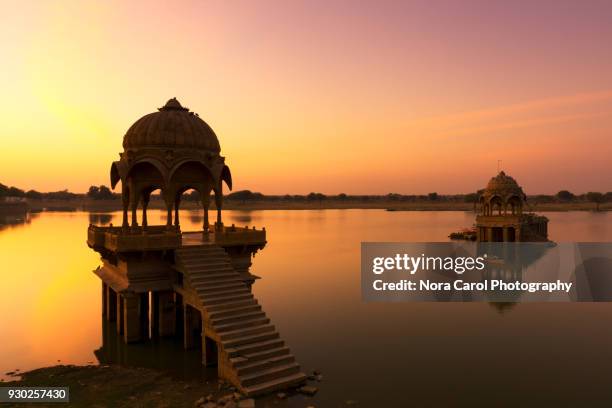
(252,356)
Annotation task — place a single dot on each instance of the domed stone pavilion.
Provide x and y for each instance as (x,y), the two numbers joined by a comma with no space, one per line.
(159,281)
(501,217)
(172,150)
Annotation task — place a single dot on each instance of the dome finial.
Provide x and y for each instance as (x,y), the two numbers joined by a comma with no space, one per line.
(173,104)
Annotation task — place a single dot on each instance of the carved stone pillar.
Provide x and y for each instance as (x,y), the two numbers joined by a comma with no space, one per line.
(167,314)
(132,309)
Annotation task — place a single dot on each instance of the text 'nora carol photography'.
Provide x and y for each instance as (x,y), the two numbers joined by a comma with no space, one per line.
(485,272)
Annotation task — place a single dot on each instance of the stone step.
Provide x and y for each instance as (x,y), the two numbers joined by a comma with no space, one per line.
(264,333)
(192,252)
(212,285)
(207,288)
(205,283)
(228,328)
(247,359)
(221,295)
(206,277)
(206,296)
(276,384)
(220,283)
(202,255)
(232,305)
(270,374)
(265,364)
(254,347)
(218,252)
(243,335)
(235,311)
(199,248)
(200,251)
(208,267)
(228,299)
(238,317)
(210,276)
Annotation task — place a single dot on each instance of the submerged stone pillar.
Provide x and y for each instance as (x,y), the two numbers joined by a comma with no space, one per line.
(111,304)
(104,300)
(154,314)
(192,325)
(132,330)
(505,235)
(167,313)
(209,350)
(120,317)
(187,327)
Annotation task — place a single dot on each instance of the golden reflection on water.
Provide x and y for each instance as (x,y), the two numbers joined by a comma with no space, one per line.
(50,302)
(48,310)
(310,288)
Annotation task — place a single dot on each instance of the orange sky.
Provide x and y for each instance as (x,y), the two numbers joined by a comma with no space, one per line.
(406,97)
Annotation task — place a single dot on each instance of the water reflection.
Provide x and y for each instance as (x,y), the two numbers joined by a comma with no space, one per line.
(243,217)
(100,219)
(402,354)
(593,279)
(165,354)
(16,219)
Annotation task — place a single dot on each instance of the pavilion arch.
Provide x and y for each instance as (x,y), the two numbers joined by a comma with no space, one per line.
(137,168)
(190,170)
(482,204)
(496,202)
(515,204)
(191,174)
(143,177)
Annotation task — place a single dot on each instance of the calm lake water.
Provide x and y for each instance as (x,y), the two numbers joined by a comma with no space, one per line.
(395,354)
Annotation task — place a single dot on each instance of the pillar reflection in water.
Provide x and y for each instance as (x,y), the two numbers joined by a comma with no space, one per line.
(157,347)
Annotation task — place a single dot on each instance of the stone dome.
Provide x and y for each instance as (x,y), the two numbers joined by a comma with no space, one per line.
(174,127)
(504,186)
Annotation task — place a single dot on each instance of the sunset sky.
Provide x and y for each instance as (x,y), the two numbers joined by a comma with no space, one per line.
(346,96)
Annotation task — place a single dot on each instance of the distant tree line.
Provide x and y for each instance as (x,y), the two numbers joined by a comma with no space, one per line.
(565,196)
(101,193)
(244,196)
(6,191)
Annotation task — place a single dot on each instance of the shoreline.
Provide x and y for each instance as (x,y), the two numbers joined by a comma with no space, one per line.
(115,205)
(113,385)
(120,386)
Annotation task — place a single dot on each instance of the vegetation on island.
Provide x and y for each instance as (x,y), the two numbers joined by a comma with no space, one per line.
(103,193)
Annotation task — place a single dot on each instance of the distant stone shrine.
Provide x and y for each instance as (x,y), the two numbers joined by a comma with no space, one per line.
(160,281)
(501,217)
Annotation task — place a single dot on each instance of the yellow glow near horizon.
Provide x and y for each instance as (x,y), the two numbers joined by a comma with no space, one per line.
(329,97)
